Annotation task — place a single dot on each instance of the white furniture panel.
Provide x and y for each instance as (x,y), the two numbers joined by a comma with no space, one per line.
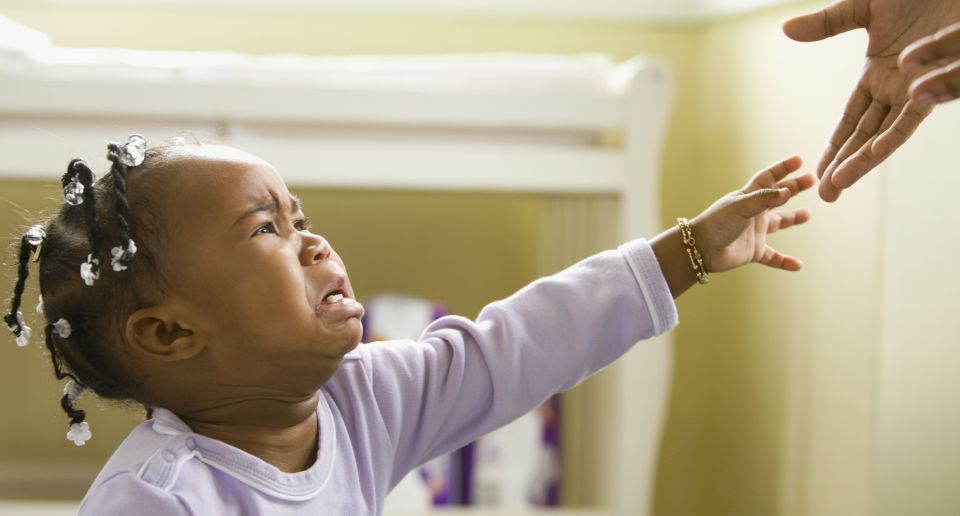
(676,11)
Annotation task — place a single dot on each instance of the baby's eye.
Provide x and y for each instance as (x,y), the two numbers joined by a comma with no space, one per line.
(266,228)
(302,225)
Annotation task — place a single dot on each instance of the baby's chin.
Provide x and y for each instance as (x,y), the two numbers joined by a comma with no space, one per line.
(355,343)
(346,340)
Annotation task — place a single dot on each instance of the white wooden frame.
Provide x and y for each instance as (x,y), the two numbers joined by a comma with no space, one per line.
(382,139)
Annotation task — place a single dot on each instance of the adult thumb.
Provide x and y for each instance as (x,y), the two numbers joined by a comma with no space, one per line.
(754,204)
(836,18)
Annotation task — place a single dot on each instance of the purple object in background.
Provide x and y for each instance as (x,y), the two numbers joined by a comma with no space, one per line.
(546,490)
(446,479)
(466,473)
(437,474)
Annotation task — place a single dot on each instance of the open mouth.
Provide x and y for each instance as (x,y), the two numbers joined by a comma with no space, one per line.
(333,297)
(337,303)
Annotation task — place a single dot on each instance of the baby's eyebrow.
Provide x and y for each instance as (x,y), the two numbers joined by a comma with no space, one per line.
(270,205)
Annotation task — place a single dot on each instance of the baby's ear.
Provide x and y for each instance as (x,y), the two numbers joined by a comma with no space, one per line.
(162,334)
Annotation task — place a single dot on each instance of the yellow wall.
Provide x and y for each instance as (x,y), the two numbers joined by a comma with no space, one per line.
(773,369)
(918,388)
(827,392)
(774,409)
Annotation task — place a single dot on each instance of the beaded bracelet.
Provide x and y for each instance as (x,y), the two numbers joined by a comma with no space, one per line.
(691,246)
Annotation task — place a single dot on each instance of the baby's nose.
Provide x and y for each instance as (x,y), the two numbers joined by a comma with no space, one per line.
(315,249)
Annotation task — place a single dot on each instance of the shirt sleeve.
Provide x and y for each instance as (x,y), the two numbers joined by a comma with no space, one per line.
(126,494)
(463,379)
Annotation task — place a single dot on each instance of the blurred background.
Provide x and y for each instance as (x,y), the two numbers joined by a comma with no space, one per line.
(833,391)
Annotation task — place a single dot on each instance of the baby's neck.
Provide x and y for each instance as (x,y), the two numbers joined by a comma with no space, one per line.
(283,434)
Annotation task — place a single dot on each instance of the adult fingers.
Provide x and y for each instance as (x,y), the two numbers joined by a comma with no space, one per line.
(753,204)
(903,127)
(938,86)
(848,169)
(942,47)
(868,127)
(787,218)
(828,192)
(773,258)
(768,177)
(860,100)
(892,115)
(833,19)
(798,184)
(899,125)
(855,167)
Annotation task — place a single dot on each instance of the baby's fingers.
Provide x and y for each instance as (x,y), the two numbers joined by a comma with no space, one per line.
(784,219)
(753,204)
(773,258)
(769,177)
(798,184)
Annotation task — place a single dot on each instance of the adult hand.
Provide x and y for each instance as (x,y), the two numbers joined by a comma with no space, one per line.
(941,50)
(880,115)
(733,231)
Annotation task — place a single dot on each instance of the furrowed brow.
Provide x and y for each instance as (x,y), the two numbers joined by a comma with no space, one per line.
(294,204)
(270,205)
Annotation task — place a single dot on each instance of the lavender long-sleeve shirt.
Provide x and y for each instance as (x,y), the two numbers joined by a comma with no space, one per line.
(395,405)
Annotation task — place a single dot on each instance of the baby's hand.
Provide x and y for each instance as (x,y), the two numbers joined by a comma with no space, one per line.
(733,231)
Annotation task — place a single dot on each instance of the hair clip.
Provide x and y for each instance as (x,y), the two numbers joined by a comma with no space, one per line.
(35,236)
(90,270)
(73,192)
(62,328)
(79,433)
(178,140)
(72,187)
(40,305)
(121,256)
(22,331)
(134,150)
(72,390)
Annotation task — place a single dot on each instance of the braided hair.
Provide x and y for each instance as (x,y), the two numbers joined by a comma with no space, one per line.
(116,210)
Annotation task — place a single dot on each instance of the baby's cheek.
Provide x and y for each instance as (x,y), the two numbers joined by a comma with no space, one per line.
(237,309)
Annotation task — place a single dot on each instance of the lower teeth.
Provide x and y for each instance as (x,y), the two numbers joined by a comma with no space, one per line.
(334,298)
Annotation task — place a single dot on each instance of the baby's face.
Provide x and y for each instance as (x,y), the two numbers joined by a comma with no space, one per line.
(271,300)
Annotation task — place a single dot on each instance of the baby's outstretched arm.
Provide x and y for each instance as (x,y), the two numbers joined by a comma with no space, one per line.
(733,231)
(465,378)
